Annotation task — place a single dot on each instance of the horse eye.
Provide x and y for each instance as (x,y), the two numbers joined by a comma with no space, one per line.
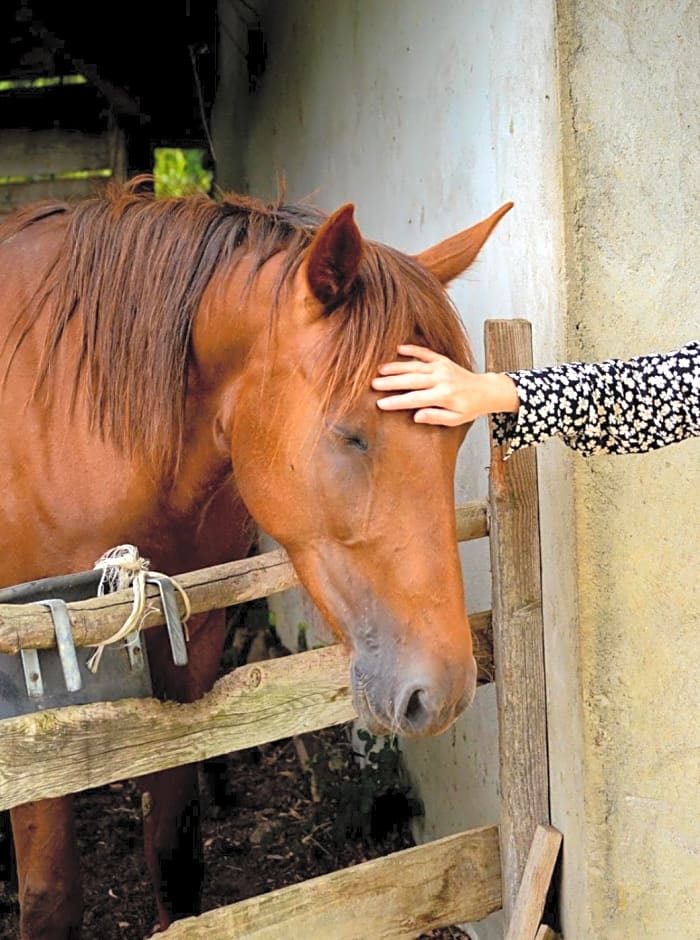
(354,440)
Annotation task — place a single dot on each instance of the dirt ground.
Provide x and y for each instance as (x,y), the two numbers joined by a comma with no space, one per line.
(270,818)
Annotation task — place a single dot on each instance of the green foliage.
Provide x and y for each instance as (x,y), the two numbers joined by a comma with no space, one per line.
(372,798)
(180,172)
(15,84)
(103,173)
(302,638)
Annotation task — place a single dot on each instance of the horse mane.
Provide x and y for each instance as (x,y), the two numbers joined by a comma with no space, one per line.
(132,269)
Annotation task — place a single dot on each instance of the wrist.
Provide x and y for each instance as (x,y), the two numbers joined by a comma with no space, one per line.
(502,393)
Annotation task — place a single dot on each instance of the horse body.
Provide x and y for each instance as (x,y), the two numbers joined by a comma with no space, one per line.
(173,371)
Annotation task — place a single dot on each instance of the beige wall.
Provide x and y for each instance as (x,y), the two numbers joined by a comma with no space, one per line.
(631,122)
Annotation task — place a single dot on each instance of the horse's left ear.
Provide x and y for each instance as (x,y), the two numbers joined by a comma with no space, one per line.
(334,256)
(451,257)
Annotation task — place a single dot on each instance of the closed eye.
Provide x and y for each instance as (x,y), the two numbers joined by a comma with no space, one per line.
(354,440)
(351,438)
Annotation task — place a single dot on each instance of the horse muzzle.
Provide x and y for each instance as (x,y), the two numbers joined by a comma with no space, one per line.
(424,702)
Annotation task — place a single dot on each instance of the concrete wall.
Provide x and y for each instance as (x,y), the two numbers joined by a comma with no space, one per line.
(632,106)
(428,117)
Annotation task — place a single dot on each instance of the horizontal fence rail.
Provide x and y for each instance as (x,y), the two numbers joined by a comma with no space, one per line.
(29,626)
(445,882)
(83,746)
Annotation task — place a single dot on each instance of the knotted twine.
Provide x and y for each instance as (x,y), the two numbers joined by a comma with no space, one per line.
(123,568)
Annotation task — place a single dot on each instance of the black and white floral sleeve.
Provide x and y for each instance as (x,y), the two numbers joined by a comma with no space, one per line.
(614,407)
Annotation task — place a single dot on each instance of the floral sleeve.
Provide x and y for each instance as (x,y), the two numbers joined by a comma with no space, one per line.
(614,407)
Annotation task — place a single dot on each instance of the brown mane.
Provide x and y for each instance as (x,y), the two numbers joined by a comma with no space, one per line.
(132,269)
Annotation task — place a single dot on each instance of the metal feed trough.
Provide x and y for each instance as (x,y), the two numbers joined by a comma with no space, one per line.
(33,680)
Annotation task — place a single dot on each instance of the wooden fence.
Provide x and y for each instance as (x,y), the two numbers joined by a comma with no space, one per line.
(453,880)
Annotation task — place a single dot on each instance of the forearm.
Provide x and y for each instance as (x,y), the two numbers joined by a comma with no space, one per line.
(616,406)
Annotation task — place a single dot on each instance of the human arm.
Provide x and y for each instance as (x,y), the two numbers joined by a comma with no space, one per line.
(440,391)
(616,406)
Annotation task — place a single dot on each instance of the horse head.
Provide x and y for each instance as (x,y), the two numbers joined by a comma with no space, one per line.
(362,501)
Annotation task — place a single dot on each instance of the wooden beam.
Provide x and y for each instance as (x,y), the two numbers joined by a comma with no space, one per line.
(83,746)
(537,877)
(29,626)
(472,520)
(397,897)
(95,620)
(65,750)
(517,628)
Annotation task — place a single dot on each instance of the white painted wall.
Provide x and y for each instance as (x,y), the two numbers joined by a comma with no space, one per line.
(428,117)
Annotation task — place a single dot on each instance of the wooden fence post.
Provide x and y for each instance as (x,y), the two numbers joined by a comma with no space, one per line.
(517,628)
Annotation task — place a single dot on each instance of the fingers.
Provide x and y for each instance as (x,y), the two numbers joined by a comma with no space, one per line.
(423,415)
(419,352)
(421,398)
(403,366)
(428,383)
(422,360)
(442,416)
(404,380)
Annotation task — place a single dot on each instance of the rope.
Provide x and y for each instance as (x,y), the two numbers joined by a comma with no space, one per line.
(123,568)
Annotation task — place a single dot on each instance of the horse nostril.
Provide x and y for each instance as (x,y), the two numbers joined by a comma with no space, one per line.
(415,706)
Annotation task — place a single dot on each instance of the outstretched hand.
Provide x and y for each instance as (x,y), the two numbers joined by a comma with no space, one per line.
(440,391)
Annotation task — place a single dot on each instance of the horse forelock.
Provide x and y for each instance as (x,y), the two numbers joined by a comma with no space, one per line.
(395,300)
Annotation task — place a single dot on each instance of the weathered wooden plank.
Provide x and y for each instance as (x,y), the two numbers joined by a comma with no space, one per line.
(472,520)
(14,195)
(49,151)
(537,877)
(85,746)
(65,750)
(517,628)
(397,897)
(95,620)
(30,626)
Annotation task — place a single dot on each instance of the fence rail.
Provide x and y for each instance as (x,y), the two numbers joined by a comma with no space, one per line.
(399,896)
(85,746)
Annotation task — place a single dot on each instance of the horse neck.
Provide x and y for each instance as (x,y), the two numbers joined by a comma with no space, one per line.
(227,332)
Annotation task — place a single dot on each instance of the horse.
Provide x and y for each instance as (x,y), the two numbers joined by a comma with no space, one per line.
(178,373)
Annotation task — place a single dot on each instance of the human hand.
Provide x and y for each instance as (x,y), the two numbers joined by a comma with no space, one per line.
(441,391)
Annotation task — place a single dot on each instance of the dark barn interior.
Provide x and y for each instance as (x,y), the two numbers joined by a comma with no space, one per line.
(150,70)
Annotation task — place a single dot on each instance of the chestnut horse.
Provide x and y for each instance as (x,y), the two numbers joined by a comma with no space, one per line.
(175,368)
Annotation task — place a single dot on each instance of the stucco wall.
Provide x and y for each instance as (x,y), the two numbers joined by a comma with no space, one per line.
(631,122)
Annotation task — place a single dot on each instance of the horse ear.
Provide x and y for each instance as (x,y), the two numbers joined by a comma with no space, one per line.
(334,256)
(451,257)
